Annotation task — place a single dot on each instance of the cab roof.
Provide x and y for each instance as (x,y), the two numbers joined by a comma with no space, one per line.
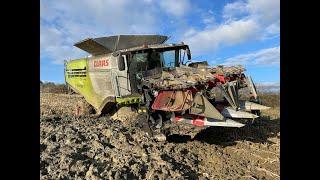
(109,44)
(153,46)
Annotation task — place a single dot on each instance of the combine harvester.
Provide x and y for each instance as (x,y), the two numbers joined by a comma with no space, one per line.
(160,82)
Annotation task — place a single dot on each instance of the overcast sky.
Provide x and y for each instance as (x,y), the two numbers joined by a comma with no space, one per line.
(243,32)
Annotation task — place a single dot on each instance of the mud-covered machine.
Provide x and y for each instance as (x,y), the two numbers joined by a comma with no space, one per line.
(160,81)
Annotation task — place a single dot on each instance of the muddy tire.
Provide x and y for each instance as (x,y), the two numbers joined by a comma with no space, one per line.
(84,109)
(143,124)
(151,125)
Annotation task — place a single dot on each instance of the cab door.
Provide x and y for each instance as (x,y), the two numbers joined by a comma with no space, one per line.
(122,79)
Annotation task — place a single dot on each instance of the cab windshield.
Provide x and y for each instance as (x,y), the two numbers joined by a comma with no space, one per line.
(155,59)
(152,61)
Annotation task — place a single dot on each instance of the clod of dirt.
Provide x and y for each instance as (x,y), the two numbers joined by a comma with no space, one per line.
(126,115)
(160,137)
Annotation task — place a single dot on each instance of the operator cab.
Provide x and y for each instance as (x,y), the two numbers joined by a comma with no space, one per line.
(160,57)
(152,60)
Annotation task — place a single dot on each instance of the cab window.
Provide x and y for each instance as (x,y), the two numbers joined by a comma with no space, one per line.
(168,58)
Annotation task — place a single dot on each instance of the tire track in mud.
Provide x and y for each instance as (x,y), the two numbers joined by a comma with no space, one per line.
(85,148)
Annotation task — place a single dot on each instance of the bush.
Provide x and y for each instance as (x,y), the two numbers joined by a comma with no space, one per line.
(50,87)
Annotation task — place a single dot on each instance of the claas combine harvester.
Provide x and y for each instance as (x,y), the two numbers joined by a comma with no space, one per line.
(160,81)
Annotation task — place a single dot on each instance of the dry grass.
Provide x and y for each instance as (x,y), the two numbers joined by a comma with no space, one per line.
(270,99)
(53,88)
(58,104)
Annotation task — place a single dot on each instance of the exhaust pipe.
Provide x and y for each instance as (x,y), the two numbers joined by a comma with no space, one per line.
(231,113)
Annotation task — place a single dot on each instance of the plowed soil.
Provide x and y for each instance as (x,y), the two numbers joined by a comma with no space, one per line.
(101,148)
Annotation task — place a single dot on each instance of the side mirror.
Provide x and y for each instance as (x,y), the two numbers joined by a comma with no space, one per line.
(121,63)
(188,54)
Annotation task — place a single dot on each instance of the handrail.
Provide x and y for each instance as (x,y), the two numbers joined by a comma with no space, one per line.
(115,83)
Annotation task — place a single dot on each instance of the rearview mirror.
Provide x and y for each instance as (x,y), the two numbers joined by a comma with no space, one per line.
(121,63)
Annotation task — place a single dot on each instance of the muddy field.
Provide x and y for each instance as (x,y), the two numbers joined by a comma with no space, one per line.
(86,148)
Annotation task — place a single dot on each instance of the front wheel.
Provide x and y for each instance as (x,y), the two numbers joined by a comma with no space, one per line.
(143,124)
(151,123)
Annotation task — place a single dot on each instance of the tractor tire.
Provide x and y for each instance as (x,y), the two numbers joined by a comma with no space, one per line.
(152,125)
(143,124)
(84,109)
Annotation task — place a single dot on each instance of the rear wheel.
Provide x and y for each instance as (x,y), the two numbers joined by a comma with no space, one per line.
(151,123)
(142,123)
(83,108)
(155,121)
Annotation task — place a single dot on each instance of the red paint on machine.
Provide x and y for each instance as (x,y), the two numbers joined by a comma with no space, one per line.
(101,63)
(198,122)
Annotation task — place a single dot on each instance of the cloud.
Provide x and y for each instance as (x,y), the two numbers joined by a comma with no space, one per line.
(263,57)
(268,86)
(54,43)
(243,21)
(226,34)
(190,32)
(268,11)
(64,23)
(208,20)
(273,84)
(234,10)
(176,7)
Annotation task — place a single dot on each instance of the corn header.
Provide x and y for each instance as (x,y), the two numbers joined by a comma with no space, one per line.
(161,81)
